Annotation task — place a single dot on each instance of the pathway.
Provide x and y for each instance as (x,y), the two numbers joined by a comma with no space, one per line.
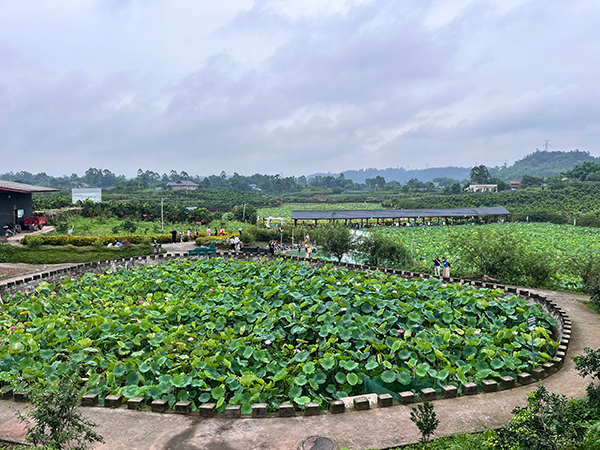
(376,428)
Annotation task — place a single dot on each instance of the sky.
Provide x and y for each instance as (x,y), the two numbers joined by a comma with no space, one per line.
(293,86)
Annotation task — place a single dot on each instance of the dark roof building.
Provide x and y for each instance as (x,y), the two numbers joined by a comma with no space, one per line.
(182,185)
(382,214)
(16,202)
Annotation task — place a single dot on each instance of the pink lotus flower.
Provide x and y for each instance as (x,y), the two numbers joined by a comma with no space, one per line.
(141,302)
(394,291)
(210,290)
(267,342)
(477,332)
(400,331)
(342,309)
(13,328)
(52,293)
(190,339)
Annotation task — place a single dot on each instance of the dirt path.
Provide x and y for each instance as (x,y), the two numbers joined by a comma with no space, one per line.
(376,428)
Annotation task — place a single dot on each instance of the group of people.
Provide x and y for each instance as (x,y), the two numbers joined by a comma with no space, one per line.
(235,243)
(444,264)
(221,232)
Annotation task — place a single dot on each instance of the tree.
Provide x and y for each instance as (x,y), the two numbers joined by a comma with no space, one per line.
(548,422)
(456,188)
(480,175)
(250,215)
(336,241)
(379,250)
(424,417)
(55,420)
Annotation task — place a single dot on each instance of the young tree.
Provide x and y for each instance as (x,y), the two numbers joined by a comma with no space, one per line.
(378,250)
(55,420)
(336,241)
(424,417)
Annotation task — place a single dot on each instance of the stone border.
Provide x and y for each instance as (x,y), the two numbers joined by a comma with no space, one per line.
(561,333)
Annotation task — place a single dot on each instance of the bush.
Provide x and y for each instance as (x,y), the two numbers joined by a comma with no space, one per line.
(35,240)
(500,253)
(379,250)
(336,241)
(549,421)
(84,241)
(55,420)
(587,266)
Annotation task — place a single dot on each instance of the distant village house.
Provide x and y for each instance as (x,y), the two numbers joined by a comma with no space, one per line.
(182,185)
(483,188)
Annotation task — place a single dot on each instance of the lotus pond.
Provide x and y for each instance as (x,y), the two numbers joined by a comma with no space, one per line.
(245,332)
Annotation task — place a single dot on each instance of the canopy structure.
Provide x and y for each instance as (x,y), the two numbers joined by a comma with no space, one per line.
(383,214)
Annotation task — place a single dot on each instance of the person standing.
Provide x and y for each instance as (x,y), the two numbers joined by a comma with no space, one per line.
(446,265)
(436,266)
(237,244)
(208,231)
(173,236)
(189,234)
(181,236)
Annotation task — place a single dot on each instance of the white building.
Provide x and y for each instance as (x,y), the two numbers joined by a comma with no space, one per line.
(483,188)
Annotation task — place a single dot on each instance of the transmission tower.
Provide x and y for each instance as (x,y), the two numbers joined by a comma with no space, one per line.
(546,145)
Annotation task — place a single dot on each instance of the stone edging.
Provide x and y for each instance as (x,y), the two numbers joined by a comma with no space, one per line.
(560,333)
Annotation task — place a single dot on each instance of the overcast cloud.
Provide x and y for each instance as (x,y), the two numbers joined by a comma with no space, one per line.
(293,86)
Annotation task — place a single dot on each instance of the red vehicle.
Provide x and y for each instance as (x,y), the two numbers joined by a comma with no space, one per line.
(36,221)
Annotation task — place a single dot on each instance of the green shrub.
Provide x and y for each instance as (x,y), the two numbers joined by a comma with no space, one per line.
(379,250)
(83,241)
(55,420)
(35,240)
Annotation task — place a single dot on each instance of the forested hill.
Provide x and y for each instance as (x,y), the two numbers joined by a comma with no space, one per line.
(402,175)
(542,164)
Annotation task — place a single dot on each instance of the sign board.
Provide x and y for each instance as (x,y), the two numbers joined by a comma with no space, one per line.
(94,195)
(531,322)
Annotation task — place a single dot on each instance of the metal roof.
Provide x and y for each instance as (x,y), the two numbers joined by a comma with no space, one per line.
(181,183)
(12,186)
(399,213)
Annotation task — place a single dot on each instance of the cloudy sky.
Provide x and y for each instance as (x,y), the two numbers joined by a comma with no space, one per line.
(294,86)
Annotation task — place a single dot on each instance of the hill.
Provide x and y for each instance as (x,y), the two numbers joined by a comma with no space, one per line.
(402,175)
(542,163)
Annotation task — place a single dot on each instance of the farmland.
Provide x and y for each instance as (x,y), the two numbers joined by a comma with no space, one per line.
(286,209)
(246,332)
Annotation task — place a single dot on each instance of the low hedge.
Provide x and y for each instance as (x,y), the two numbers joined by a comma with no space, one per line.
(84,241)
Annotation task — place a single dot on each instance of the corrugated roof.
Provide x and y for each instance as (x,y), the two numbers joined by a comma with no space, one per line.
(12,186)
(399,213)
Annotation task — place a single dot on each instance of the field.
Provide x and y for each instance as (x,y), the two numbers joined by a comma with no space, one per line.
(241,333)
(286,209)
(561,243)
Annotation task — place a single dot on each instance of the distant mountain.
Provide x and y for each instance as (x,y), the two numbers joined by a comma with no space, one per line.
(542,163)
(402,175)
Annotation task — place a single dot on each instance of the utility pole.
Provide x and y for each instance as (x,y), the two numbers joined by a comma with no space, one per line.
(162,219)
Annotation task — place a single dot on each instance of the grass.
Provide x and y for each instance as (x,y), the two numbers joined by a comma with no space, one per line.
(475,441)
(68,254)
(102,226)
(286,209)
